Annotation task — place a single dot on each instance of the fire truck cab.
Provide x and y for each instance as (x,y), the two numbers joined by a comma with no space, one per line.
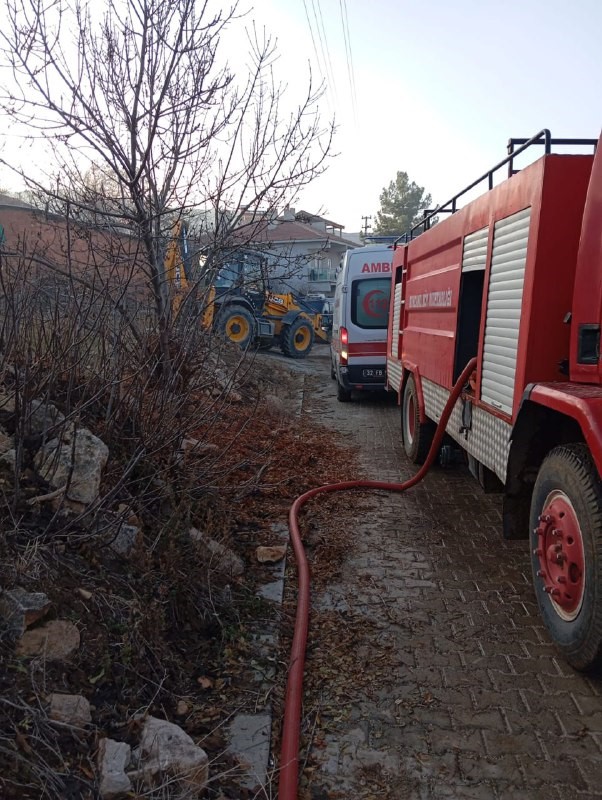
(360,320)
(514,278)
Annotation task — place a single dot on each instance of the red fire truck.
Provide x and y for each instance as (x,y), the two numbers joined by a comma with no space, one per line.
(514,278)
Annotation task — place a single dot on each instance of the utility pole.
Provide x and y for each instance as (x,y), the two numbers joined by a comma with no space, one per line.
(366,226)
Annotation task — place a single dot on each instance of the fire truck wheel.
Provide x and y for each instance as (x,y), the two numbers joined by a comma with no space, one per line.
(417,436)
(566,553)
(237,324)
(296,339)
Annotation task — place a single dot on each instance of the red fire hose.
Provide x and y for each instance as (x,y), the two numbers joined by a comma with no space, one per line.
(289,754)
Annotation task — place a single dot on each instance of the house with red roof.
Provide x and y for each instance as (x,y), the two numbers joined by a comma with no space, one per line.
(303,250)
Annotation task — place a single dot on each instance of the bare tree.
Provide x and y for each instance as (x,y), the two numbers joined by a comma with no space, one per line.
(141,93)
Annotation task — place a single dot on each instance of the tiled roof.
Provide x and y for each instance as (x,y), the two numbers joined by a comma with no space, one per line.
(286,231)
(9,200)
(305,216)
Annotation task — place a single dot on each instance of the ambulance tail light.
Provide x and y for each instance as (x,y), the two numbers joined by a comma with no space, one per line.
(344,344)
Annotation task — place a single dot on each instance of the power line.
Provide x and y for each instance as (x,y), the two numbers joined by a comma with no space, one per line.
(349,55)
(324,42)
(313,41)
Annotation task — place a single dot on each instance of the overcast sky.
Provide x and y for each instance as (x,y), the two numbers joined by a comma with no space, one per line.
(439,86)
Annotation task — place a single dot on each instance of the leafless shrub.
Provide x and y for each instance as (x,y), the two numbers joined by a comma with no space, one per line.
(148,123)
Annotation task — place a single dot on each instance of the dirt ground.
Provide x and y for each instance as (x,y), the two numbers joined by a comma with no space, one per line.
(429,673)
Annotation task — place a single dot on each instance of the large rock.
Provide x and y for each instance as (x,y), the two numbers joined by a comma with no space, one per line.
(55,641)
(21,608)
(113,758)
(77,454)
(72,709)
(167,751)
(220,557)
(43,417)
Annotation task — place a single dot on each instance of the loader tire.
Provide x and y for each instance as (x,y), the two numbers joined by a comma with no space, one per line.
(296,339)
(417,436)
(237,324)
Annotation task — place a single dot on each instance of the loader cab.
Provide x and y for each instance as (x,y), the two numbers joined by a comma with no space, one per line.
(243,270)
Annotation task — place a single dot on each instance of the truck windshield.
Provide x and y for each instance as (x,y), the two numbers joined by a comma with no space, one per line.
(370,302)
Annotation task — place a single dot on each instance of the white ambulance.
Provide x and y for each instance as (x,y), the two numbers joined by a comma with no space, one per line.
(358,349)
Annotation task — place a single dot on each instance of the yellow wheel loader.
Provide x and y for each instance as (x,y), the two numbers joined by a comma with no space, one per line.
(236,306)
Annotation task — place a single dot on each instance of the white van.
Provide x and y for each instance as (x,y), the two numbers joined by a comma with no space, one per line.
(358,349)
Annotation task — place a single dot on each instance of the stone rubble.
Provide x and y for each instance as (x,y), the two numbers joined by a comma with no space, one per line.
(20,609)
(56,640)
(125,539)
(167,751)
(270,555)
(72,709)
(76,458)
(113,758)
(221,558)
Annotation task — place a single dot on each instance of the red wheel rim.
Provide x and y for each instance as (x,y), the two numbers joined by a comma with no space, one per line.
(411,417)
(561,555)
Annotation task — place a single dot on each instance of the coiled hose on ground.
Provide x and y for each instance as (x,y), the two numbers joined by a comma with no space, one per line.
(289,752)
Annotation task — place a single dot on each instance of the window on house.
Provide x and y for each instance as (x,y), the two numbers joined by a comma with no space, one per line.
(321,270)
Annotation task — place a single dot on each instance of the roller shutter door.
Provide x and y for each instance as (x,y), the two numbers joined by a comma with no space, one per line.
(397,302)
(474,256)
(504,303)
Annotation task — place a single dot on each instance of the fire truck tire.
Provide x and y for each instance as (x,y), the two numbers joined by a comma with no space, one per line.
(296,339)
(416,436)
(566,553)
(237,324)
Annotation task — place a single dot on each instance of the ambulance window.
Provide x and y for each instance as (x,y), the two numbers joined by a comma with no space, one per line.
(370,302)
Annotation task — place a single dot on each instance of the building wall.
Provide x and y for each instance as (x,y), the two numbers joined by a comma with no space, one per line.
(296,266)
(47,248)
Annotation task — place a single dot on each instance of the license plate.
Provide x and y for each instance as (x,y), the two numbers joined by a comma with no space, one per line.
(373,373)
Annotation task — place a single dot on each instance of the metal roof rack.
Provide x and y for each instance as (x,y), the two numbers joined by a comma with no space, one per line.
(544,137)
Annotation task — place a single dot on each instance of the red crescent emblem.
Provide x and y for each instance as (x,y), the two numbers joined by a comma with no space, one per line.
(371,305)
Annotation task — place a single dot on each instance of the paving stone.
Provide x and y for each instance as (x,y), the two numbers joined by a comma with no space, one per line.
(465,740)
(483,705)
(502,768)
(250,743)
(591,769)
(559,770)
(271,591)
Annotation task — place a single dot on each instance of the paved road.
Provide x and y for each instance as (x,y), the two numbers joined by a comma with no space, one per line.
(455,691)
